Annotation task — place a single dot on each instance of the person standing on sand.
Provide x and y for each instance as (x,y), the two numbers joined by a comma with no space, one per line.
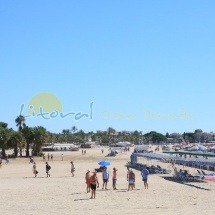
(114,178)
(87,177)
(51,157)
(72,168)
(35,172)
(131,180)
(105,177)
(128,174)
(144,174)
(6,160)
(48,167)
(62,157)
(31,160)
(93,182)
(48,156)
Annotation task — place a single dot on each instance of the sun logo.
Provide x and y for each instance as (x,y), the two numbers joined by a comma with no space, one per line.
(45,102)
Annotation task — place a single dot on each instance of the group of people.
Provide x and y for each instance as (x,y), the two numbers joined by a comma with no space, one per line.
(48,168)
(83,152)
(48,157)
(93,183)
(35,172)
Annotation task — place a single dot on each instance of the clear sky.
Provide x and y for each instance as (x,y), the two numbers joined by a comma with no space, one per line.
(145,65)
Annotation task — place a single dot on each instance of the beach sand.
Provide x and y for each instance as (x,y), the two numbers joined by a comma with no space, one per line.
(21,193)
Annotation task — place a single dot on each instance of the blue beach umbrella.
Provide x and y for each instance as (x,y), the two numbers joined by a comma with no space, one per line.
(104,163)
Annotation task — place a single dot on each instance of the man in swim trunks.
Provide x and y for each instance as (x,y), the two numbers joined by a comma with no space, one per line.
(105,177)
(93,182)
(144,174)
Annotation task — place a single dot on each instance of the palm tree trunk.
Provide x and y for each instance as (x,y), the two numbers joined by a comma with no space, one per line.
(3,153)
(27,149)
(16,150)
(20,151)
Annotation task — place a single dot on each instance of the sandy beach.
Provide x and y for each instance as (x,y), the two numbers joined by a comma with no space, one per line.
(21,193)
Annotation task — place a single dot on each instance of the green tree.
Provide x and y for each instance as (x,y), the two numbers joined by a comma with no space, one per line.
(111,131)
(189,136)
(74,129)
(155,137)
(66,133)
(28,134)
(40,136)
(5,135)
(20,122)
(3,124)
(17,141)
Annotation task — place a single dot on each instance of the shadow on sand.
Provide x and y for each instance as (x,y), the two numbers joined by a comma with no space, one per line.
(186,183)
(82,199)
(47,177)
(126,190)
(35,177)
(75,193)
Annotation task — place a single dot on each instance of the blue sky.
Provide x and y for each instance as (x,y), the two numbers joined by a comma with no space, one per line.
(145,65)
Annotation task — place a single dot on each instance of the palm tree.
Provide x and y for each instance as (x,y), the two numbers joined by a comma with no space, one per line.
(20,122)
(66,133)
(111,131)
(17,141)
(28,134)
(40,136)
(74,129)
(3,124)
(5,135)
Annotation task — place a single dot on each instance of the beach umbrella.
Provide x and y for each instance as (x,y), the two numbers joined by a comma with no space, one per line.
(104,163)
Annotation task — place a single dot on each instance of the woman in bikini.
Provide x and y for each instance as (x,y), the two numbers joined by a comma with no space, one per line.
(131,180)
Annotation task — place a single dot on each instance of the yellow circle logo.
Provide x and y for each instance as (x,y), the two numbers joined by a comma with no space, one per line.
(44,102)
